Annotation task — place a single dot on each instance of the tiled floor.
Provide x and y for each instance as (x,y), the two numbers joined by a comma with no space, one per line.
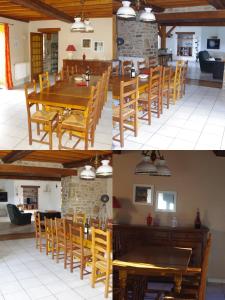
(197,121)
(14,132)
(27,274)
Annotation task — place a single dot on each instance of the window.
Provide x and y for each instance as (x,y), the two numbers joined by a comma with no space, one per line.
(143,194)
(166,201)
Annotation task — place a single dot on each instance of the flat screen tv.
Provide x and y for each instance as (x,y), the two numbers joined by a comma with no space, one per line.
(213,43)
(3,197)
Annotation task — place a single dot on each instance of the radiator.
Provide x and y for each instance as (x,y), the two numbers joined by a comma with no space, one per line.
(21,71)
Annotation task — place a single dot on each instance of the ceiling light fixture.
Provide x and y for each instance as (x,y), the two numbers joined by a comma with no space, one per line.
(153,164)
(127,12)
(82,23)
(96,169)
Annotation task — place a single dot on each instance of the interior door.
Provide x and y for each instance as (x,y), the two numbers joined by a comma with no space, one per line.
(36,48)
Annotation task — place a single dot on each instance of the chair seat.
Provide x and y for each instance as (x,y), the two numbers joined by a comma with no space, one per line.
(144,97)
(44,116)
(76,119)
(125,112)
(87,252)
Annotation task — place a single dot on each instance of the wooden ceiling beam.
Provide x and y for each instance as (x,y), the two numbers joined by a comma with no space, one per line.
(35,171)
(45,9)
(15,155)
(218,4)
(197,24)
(14,18)
(189,17)
(25,177)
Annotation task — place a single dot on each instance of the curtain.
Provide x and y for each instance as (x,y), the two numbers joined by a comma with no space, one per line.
(8,72)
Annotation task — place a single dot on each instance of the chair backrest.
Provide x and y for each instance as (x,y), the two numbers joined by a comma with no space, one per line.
(116,69)
(178,71)
(166,77)
(58,76)
(44,81)
(141,65)
(108,74)
(60,229)
(79,218)
(101,245)
(94,222)
(155,80)
(205,262)
(71,70)
(69,217)
(94,105)
(126,66)
(152,61)
(76,236)
(129,93)
(13,211)
(37,222)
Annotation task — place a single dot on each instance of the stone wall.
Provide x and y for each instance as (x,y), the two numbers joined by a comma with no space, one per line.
(84,196)
(140,38)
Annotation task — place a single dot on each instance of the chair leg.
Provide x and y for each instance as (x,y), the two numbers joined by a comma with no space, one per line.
(71,261)
(65,258)
(86,141)
(121,134)
(60,136)
(30,132)
(82,268)
(107,284)
(50,135)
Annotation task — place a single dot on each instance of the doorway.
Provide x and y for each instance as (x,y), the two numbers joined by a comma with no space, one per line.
(44,52)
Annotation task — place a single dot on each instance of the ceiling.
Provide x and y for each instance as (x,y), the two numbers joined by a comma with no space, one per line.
(64,10)
(68,160)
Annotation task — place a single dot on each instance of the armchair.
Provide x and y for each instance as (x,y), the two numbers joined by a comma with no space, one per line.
(17,217)
(215,67)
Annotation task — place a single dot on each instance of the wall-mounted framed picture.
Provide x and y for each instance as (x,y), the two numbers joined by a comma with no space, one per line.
(143,194)
(86,43)
(166,201)
(99,46)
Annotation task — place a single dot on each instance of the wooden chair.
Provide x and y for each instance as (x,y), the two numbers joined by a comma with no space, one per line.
(127,112)
(44,81)
(81,124)
(191,289)
(151,100)
(141,65)
(152,61)
(94,222)
(79,218)
(175,91)
(166,81)
(184,78)
(126,67)
(48,119)
(116,70)
(77,249)
(40,233)
(101,258)
(50,236)
(69,217)
(58,76)
(62,244)
(71,70)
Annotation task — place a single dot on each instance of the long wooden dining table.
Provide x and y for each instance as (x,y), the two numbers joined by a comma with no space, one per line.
(153,261)
(65,94)
(115,82)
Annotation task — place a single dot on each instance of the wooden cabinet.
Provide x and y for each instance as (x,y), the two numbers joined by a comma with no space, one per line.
(97,67)
(126,236)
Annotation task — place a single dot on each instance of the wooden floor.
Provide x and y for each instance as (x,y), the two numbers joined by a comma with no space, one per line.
(206,83)
(10,231)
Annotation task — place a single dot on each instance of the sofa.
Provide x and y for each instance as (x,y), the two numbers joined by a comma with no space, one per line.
(215,67)
(17,217)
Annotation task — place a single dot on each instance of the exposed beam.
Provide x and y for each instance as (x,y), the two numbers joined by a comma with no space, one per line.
(142,5)
(25,177)
(7,169)
(218,4)
(14,18)
(45,9)
(170,31)
(197,24)
(82,163)
(220,153)
(189,17)
(15,155)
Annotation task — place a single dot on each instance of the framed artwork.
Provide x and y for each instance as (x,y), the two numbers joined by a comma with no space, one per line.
(166,201)
(99,46)
(86,43)
(143,194)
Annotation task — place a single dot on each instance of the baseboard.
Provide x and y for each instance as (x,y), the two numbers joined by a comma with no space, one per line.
(216,280)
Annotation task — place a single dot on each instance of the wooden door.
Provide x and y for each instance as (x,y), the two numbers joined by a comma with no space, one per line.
(36,48)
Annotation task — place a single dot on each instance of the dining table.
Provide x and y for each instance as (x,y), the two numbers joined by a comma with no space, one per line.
(68,94)
(153,261)
(116,80)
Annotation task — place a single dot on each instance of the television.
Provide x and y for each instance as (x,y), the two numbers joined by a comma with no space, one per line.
(3,197)
(213,43)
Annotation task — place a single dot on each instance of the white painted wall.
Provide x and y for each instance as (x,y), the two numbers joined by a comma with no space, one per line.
(102,32)
(50,200)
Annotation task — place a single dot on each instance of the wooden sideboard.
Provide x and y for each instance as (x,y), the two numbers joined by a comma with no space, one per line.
(97,67)
(126,236)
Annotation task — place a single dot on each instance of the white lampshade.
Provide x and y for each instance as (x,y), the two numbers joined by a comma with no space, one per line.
(87,173)
(147,15)
(88,26)
(78,25)
(126,11)
(105,170)
(162,169)
(145,167)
